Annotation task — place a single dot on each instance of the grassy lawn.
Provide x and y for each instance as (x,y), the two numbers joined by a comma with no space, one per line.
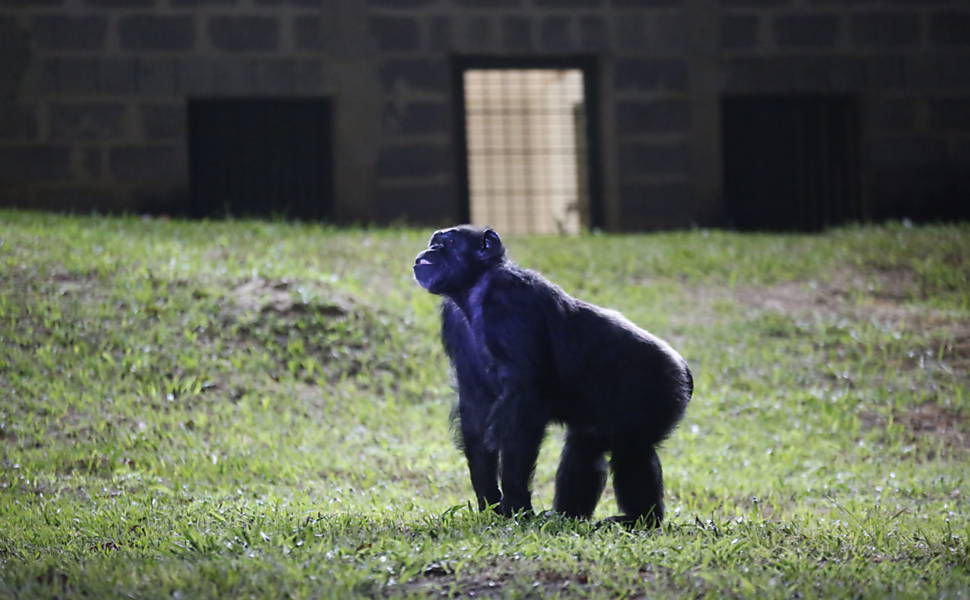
(252,409)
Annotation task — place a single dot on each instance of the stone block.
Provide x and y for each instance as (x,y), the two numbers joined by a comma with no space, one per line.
(659,116)
(884,29)
(77,76)
(18,122)
(886,71)
(487,3)
(30,3)
(846,73)
(193,75)
(892,114)
(311,77)
(651,206)
(201,3)
(244,34)
(117,76)
(568,3)
(143,164)
(15,58)
(555,34)
(414,160)
(593,35)
(120,3)
(164,122)
(156,76)
(78,198)
(35,163)
(753,3)
(739,32)
(806,30)
(948,29)
(87,122)
(433,204)
(153,33)
(859,3)
(633,74)
(299,3)
(396,34)
(61,32)
(92,163)
(646,3)
(795,74)
(441,34)
(312,33)
(477,33)
(670,33)
(274,76)
(416,73)
(417,118)
(401,3)
(516,33)
(630,33)
(232,75)
(943,72)
(171,199)
(950,114)
(641,158)
(37,79)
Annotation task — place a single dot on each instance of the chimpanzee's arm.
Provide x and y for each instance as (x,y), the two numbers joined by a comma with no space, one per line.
(476,397)
(514,335)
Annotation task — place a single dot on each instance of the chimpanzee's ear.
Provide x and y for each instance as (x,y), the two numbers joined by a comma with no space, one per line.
(491,243)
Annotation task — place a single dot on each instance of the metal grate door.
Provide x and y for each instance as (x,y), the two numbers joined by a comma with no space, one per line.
(527,150)
(791,162)
(260,157)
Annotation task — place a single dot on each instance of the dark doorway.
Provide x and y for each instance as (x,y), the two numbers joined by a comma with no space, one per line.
(261,157)
(791,162)
(527,128)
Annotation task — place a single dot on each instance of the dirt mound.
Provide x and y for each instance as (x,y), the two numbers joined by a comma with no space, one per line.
(284,297)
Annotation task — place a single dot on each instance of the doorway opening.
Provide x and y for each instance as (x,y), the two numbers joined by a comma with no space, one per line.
(261,157)
(791,162)
(526,135)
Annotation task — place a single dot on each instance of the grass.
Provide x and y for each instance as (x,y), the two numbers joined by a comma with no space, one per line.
(253,409)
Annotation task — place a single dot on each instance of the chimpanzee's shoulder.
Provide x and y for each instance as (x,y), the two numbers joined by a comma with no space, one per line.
(514,281)
(513,287)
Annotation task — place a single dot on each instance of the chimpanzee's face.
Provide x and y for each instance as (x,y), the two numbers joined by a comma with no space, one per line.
(455,258)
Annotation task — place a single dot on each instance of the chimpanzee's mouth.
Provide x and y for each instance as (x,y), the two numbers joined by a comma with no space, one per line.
(423,261)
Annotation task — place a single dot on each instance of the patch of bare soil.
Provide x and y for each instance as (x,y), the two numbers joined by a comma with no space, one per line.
(493,580)
(956,348)
(927,421)
(847,297)
(66,283)
(281,296)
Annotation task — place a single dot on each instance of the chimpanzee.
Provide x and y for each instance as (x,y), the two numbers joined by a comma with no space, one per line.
(526,353)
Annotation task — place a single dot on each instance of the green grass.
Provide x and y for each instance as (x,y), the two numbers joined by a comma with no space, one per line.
(252,409)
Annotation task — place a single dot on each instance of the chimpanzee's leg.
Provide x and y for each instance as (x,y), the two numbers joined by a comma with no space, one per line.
(638,482)
(483,467)
(482,460)
(581,475)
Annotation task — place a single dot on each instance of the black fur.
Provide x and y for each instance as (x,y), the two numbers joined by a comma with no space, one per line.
(526,353)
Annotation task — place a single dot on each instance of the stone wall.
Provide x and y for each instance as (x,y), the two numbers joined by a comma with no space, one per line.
(93,92)
(907,62)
